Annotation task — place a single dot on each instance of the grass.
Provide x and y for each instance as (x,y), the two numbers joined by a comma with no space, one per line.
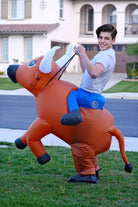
(7,84)
(25,183)
(122,86)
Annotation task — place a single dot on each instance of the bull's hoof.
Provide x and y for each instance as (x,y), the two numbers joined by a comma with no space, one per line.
(71,118)
(83,179)
(19,144)
(128,168)
(43,159)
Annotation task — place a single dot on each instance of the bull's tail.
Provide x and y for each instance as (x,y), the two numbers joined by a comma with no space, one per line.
(117,133)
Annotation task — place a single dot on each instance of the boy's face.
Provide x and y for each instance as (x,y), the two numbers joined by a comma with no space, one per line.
(105,41)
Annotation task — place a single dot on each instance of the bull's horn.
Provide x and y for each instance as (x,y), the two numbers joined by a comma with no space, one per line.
(46,62)
(65,57)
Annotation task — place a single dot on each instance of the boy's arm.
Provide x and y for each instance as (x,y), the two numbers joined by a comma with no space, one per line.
(93,70)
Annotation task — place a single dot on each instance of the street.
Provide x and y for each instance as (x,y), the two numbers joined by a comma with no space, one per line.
(125,113)
(18,112)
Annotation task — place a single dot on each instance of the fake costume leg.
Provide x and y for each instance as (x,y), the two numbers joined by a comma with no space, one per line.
(74,115)
(32,137)
(72,101)
(84,99)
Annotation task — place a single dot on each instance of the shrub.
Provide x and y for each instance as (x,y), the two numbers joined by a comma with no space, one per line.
(132,69)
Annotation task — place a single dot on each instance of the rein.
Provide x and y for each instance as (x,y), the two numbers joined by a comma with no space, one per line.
(63,68)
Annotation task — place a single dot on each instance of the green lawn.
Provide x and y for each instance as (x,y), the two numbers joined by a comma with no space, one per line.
(123,86)
(25,183)
(7,84)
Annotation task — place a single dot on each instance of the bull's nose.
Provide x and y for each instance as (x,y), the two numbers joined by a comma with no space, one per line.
(11,71)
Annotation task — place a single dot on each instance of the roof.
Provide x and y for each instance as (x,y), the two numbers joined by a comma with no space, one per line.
(27,28)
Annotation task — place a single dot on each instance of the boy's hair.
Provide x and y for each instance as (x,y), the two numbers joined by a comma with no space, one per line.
(107,28)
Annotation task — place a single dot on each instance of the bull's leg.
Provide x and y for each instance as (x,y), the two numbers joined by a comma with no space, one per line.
(32,137)
(21,144)
(82,157)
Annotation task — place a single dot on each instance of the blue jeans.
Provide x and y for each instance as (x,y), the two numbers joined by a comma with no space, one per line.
(85,99)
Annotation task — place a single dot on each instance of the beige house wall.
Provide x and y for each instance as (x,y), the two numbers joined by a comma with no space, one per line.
(69,30)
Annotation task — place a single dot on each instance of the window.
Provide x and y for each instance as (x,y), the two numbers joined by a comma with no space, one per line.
(114,47)
(28,48)
(86,20)
(119,48)
(98,48)
(90,20)
(61,8)
(85,46)
(17,9)
(88,47)
(112,15)
(4,49)
(134,15)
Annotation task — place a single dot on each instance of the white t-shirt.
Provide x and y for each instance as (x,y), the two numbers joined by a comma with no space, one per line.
(108,60)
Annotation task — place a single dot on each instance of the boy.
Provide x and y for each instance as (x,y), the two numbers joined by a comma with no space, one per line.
(97,72)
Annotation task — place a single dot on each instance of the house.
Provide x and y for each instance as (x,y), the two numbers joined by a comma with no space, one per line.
(29,28)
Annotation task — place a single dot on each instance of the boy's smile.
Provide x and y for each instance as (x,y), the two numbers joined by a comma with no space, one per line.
(105,40)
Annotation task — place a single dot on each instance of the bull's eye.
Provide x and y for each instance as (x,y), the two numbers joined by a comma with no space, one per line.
(32,63)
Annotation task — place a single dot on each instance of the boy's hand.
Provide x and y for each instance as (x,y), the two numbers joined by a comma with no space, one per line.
(79,50)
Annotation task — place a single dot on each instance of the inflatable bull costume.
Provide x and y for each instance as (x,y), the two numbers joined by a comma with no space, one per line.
(87,139)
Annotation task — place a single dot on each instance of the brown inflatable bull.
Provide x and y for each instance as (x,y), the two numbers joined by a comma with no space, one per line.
(87,139)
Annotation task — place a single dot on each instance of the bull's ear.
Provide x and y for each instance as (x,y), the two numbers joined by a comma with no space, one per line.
(65,57)
(46,62)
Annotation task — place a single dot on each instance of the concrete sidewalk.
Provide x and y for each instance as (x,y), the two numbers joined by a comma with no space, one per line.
(9,135)
(131,143)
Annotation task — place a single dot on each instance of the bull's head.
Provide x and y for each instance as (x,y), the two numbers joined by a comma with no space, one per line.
(35,74)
